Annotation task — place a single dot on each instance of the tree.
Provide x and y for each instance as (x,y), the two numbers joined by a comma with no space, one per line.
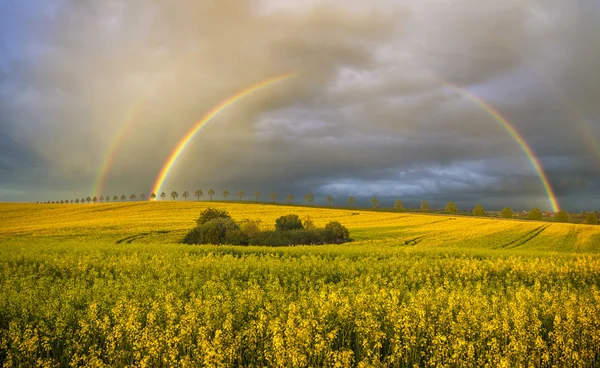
(107,198)
(374,201)
(163,195)
(290,198)
(399,206)
(123,197)
(309,198)
(478,210)
(153,196)
(115,198)
(424,206)
(336,232)
(225,194)
(62,201)
(77,200)
(94,199)
(273,197)
(131,197)
(450,208)
(562,216)
(142,196)
(174,195)
(329,200)
(211,193)
(507,212)
(212,214)
(591,219)
(88,199)
(535,214)
(71,201)
(256,196)
(288,222)
(101,198)
(241,194)
(185,195)
(351,201)
(198,193)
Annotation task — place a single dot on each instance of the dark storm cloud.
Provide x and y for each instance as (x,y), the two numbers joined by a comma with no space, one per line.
(371,112)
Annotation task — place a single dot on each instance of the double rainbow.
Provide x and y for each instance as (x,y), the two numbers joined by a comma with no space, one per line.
(184,142)
(191,133)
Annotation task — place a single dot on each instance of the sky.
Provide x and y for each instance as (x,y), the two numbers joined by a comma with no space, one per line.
(374,110)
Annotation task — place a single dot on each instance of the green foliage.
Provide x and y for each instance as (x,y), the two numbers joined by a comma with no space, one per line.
(562,216)
(478,210)
(308,223)
(288,222)
(291,237)
(212,214)
(399,206)
(217,231)
(424,206)
(591,219)
(507,213)
(336,232)
(450,208)
(250,228)
(535,214)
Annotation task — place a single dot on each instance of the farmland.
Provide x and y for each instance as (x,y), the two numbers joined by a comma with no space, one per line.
(111,285)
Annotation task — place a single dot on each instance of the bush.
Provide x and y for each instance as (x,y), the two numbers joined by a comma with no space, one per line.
(216,231)
(212,214)
(591,219)
(250,228)
(194,236)
(562,216)
(290,237)
(216,227)
(336,232)
(507,213)
(288,222)
(535,214)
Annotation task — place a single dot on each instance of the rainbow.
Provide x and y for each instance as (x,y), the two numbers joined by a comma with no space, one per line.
(131,116)
(506,124)
(184,142)
(113,147)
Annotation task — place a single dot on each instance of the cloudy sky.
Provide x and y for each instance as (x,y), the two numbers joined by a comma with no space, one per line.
(374,109)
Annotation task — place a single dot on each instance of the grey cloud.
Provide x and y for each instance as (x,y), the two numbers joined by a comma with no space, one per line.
(369,111)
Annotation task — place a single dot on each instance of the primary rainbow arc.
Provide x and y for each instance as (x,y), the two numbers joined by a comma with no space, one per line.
(187,138)
(506,124)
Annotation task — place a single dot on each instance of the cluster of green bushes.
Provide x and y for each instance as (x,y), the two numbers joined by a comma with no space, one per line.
(216,226)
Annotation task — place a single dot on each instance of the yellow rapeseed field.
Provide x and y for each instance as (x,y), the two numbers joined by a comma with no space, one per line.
(111,285)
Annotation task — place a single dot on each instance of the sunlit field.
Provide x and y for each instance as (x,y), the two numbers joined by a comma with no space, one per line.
(111,285)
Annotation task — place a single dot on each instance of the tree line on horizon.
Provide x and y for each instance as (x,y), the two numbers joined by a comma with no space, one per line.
(535,213)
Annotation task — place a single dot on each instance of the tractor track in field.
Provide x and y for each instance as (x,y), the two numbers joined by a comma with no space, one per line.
(131,238)
(525,238)
(414,241)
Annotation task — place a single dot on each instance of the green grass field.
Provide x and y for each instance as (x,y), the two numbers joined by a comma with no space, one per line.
(110,285)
